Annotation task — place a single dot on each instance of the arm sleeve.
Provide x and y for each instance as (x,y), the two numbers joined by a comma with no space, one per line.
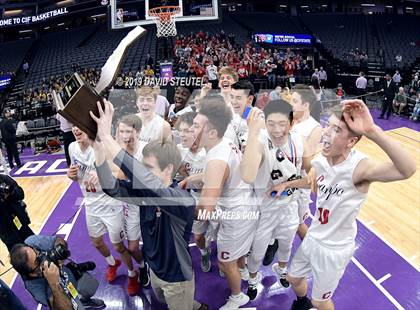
(144,184)
(116,188)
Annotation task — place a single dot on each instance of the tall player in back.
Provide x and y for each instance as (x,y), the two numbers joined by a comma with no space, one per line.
(310,130)
(342,177)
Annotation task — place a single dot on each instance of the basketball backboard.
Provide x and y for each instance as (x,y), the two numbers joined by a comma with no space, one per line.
(130,13)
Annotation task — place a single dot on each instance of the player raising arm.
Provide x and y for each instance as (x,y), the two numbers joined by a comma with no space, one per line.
(342,177)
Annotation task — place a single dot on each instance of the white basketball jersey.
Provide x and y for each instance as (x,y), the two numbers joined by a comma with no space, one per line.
(172,113)
(139,153)
(235,193)
(305,128)
(230,135)
(241,130)
(153,130)
(279,164)
(96,201)
(338,201)
(192,163)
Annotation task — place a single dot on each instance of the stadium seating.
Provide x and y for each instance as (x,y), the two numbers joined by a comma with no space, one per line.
(342,33)
(13,53)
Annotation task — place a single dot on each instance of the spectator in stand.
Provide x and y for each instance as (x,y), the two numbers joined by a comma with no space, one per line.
(149,73)
(339,91)
(305,68)
(150,61)
(271,66)
(361,84)
(289,67)
(262,100)
(211,72)
(398,58)
(25,68)
(8,134)
(397,78)
(315,82)
(286,94)
(276,93)
(416,111)
(400,101)
(42,96)
(191,72)
(243,73)
(322,77)
(182,73)
(415,83)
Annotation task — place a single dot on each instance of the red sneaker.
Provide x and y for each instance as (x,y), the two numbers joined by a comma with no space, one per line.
(133,286)
(111,273)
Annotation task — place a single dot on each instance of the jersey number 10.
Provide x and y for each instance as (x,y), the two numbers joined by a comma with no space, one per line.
(323,215)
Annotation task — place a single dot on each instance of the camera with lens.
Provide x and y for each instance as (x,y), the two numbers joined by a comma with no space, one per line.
(59,252)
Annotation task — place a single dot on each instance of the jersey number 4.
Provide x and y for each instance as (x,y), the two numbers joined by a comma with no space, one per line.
(323,215)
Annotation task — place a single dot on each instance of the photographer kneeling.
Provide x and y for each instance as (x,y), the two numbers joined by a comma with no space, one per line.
(40,262)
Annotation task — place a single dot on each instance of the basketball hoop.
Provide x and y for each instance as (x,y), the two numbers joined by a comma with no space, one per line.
(164,17)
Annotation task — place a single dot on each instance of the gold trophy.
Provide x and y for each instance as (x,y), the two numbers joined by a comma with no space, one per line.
(79,97)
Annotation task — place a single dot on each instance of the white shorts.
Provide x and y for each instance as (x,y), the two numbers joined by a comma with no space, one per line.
(200,227)
(326,265)
(303,205)
(234,237)
(285,233)
(274,224)
(132,222)
(113,224)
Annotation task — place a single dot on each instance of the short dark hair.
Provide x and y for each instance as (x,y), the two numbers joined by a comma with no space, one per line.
(187,118)
(165,152)
(306,94)
(218,113)
(245,85)
(279,106)
(19,259)
(131,120)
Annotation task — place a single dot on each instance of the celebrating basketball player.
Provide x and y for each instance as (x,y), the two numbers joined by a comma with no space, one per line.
(241,98)
(342,177)
(223,187)
(191,174)
(103,213)
(154,126)
(272,156)
(227,76)
(128,134)
(310,130)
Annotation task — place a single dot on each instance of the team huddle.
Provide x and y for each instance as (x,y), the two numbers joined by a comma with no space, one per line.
(251,173)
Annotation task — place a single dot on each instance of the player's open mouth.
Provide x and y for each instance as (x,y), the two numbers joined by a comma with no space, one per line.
(225,85)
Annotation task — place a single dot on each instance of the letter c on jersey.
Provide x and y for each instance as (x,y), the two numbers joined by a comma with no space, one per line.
(326,295)
(224,255)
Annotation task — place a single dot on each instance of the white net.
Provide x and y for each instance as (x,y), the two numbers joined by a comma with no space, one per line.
(165,20)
